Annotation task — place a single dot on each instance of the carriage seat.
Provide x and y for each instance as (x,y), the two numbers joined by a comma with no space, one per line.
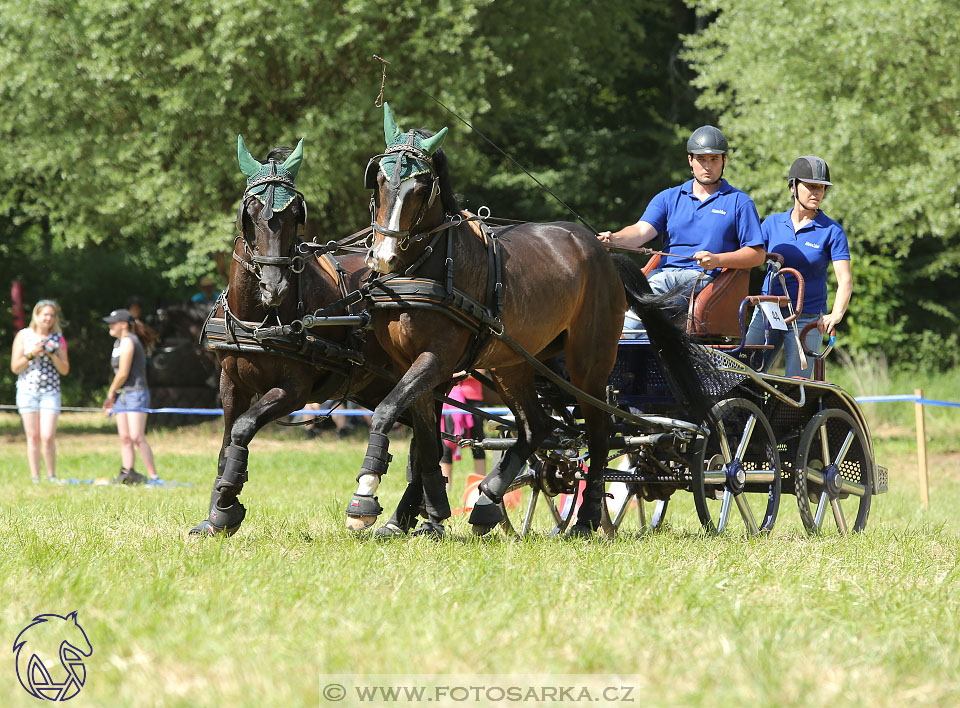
(715,310)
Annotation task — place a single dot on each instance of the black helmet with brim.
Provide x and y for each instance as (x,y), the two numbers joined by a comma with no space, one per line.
(707,140)
(810,169)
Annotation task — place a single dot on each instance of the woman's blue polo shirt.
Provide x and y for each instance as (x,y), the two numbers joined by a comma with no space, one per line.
(809,250)
(726,221)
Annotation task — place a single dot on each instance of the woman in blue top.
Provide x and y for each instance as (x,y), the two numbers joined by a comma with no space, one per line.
(808,240)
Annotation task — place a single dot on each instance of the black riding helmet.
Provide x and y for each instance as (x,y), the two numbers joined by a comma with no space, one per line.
(810,169)
(707,140)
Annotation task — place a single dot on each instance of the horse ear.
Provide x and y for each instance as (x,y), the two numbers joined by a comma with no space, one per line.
(431,144)
(248,164)
(72,616)
(292,163)
(390,127)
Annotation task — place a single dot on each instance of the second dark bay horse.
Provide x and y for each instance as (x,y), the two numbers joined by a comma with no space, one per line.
(552,289)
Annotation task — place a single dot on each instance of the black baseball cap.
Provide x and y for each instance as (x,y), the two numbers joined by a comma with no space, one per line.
(119,316)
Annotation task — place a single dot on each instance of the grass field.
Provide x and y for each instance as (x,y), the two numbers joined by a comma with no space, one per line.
(255,620)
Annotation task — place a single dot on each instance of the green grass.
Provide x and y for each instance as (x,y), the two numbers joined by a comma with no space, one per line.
(255,620)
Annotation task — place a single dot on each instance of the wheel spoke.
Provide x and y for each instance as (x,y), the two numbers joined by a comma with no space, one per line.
(844,449)
(747,434)
(747,513)
(724,511)
(531,508)
(824,445)
(641,513)
(622,511)
(821,509)
(816,475)
(838,516)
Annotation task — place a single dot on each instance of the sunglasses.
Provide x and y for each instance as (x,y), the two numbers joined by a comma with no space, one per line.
(46,303)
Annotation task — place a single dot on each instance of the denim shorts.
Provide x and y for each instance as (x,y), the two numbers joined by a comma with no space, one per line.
(134,399)
(31,402)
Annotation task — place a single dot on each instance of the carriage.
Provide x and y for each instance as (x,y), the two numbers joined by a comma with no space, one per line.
(771,435)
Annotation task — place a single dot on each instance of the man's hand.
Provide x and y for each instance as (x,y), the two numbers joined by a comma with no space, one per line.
(707,260)
(605,236)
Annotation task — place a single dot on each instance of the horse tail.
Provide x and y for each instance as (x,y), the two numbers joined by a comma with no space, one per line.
(686,366)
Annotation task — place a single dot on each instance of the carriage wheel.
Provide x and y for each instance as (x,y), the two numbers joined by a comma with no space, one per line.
(737,466)
(539,502)
(833,472)
(617,510)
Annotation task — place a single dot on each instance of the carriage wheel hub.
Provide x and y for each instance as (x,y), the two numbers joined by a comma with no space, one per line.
(833,481)
(736,477)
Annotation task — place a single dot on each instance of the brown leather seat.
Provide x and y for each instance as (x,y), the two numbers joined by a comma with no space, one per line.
(715,310)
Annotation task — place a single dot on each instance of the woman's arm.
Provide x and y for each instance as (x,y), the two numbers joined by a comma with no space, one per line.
(829,322)
(59,358)
(18,360)
(123,370)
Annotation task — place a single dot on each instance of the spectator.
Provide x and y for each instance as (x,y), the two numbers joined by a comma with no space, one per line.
(470,391)
(39,358)
(208,291)
(129,397)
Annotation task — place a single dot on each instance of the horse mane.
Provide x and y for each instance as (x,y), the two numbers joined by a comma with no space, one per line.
(279,153)
(447,198)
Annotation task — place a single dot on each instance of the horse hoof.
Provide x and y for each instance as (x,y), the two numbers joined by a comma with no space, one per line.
(581,530)
(485,513)
(360,523)
(363,506)
(431,529)
(481,530)
(205,528)
(221,521)
(389,531)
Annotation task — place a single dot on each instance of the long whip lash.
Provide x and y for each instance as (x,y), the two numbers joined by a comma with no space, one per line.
(379,102)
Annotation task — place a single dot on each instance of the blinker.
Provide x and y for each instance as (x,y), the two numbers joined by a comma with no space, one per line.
(370,175)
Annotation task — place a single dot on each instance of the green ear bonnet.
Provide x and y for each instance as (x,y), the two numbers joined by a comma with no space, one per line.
(273,181)
(407,154)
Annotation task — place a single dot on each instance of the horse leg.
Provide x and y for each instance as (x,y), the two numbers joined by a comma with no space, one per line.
(227,513)
(516,385)
(421,378)
(598,445)
(426,489)
(234,402)
(590,355)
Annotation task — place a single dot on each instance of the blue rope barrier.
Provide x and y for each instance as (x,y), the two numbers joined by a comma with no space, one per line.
(903,398)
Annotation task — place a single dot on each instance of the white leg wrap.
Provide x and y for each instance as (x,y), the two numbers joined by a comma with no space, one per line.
(368,484)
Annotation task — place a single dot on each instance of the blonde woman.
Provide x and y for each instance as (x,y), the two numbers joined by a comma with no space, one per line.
(129,397)
(39,358)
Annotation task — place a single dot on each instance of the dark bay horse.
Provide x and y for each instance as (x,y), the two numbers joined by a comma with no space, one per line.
(560,292)
(272,285)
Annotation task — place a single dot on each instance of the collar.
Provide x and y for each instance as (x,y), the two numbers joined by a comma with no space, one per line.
(820,220)
(725,188)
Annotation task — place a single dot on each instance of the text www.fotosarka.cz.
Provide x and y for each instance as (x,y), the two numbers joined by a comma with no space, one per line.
(478,689)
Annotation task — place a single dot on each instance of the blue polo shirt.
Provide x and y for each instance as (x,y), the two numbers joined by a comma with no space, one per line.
(810,250)
(726,221)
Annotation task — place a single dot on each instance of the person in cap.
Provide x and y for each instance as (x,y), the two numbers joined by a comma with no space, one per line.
(208,291)
(129,397)
(706,223)
(809,241)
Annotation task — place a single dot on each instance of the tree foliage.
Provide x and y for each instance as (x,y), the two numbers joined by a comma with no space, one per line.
(119,119)
(872,87)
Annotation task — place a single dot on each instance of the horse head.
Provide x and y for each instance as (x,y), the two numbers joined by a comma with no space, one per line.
(48,642)
(271,220)
(406,180)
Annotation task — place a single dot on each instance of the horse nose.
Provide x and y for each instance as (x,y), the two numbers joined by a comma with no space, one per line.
(273,293)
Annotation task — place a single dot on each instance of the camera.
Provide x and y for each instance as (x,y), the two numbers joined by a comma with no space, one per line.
(52,343)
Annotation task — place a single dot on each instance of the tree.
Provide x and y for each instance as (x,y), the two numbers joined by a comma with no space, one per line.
(872,87)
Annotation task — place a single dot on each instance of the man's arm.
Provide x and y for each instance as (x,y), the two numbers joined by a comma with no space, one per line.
(746,257)
(633,236)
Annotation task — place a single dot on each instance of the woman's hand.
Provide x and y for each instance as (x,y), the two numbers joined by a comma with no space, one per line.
(108,403)
(828,323)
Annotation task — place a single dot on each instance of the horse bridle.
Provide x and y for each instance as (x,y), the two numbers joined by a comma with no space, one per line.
(370,181)
(295,261)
